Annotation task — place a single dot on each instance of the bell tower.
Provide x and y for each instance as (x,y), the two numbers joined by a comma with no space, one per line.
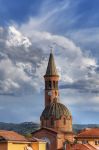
(56,119)
(51,81)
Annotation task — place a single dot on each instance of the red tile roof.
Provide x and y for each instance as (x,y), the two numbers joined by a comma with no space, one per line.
(90,132)
(52,130)
(11,136)
(47,129)
(80,147)
(91,147)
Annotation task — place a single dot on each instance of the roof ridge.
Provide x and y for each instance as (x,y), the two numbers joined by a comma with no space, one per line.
(90,146)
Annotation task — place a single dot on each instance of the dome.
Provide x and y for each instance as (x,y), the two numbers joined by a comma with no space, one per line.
(55,109)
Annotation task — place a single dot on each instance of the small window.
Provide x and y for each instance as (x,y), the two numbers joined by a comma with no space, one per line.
(50,84)
(84,142)
(96,142)
(55,93)
(64,121)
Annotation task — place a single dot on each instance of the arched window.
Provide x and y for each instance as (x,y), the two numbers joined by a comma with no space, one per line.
(50,85)
(46,84)
(52,122)
(54,84)
(64,121)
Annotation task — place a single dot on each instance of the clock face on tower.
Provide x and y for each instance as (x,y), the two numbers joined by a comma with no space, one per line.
(49,93)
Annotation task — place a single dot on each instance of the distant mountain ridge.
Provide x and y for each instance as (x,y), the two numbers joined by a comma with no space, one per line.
(78,127)
(22,128)
(28,127)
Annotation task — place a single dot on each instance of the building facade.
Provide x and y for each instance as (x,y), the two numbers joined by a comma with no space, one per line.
(86,139)
(56,119)
(89,136)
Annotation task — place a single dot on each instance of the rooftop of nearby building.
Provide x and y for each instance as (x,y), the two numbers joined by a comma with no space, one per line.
(47,129)
(89,132)
(80,147)
(16,137)
(11,136)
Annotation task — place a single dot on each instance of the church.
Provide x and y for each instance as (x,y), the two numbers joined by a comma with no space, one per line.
(56,119)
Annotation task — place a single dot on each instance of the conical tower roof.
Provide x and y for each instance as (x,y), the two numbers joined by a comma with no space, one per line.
(51,68)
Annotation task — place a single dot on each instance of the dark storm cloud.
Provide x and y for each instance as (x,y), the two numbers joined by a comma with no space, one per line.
(83,86)
(90,84)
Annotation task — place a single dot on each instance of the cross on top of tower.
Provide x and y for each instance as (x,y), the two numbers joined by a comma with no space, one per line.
(51,49)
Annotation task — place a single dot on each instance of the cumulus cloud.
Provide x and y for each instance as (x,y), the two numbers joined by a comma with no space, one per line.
(26,58)
(13,79)
(16,39)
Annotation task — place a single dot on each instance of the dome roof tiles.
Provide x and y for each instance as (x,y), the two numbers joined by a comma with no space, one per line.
(55,109)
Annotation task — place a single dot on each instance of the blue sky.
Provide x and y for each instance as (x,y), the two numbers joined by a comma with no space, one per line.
(27,31)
